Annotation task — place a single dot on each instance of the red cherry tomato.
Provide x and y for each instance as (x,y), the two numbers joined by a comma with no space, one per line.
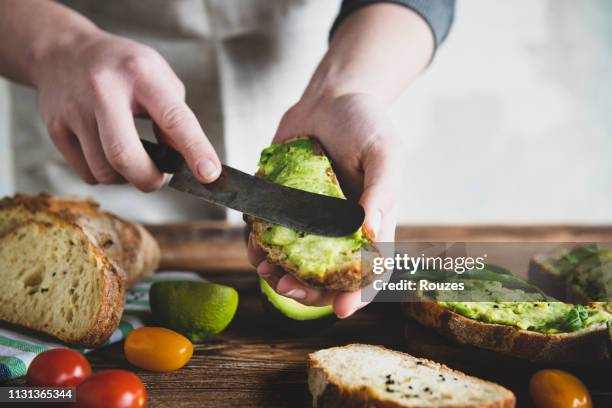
(112,389)
(58,368)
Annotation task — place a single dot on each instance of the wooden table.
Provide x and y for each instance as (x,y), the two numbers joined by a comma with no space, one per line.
(252,365)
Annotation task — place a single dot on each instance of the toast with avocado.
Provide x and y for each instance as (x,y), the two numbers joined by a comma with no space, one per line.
(360,375)
(328,262)
(530,326)
(582,274)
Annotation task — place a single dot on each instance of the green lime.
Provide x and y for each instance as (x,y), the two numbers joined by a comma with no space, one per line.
(198,310)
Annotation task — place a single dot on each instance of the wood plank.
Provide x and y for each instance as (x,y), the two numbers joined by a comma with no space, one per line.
(252,364)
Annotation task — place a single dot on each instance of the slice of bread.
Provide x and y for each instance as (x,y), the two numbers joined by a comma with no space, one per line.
(543,274)
(55,280)
(360,375)
(584,345)
(347,276)
(128,245)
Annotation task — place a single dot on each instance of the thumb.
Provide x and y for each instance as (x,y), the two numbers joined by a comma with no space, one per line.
(382,168)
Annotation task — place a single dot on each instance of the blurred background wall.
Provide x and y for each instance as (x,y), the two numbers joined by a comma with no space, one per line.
(511,124)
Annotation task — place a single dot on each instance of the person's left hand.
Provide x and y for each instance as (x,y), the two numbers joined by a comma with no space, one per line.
(366,155)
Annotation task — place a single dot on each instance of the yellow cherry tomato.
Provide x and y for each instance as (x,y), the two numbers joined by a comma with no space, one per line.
(558,389)
(157,349)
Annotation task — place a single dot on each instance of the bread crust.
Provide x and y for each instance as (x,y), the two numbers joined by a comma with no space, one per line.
(553,284)
(111,305)
(111,295)
(584,345)
(349,278)
(335,395)
(129,246)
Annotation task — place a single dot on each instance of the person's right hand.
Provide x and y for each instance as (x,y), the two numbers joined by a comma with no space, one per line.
(89,95)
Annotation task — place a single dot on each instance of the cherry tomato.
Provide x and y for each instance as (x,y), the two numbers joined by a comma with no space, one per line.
(157,349)
(58,368)
(558,389)
(112,389)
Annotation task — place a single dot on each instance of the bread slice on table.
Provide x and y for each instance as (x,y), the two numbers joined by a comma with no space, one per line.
(346,276)
(584,345)
(128,245)
(545,276)
(360,375)
(55,280)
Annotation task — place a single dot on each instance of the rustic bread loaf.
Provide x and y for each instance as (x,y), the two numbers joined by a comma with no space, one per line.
(129,246)
(55,280)
(360,375)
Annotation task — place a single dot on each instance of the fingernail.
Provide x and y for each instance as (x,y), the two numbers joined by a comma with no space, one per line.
(345,315)
(208,170)
(297,294)
(374,223)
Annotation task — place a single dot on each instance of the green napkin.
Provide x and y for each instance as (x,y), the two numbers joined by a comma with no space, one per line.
(18,347)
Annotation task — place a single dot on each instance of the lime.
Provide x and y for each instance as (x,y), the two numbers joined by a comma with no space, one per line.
(198,310)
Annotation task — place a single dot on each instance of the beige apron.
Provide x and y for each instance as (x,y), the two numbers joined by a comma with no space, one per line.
(243,62)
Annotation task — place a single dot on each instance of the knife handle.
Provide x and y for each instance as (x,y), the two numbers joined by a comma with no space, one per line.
(165,158)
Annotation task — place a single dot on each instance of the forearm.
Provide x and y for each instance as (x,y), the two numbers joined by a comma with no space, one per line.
(35,28)
(378,50)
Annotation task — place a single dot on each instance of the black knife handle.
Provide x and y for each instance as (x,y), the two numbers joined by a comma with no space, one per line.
(165,158)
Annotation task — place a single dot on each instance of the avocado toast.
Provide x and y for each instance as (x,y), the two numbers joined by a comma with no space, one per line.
(535,328)
(328,262)
(582,274)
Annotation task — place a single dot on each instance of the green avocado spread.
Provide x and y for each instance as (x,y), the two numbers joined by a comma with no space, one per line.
(517,308)
(295,164)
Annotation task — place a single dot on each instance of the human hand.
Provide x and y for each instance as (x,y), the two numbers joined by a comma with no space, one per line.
(365,152)
(91,90)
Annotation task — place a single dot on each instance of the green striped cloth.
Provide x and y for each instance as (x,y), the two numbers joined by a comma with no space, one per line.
(19,347)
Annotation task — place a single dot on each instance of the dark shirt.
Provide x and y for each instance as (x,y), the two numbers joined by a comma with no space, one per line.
(437,13)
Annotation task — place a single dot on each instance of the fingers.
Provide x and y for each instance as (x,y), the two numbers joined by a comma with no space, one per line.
(180,127)
(381,169)
(347,303)
(87,134)
(254,252)
(283,283)
(291,287)
(68,145)
(122,147)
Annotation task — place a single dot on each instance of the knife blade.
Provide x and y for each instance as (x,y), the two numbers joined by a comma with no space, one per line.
(301,210)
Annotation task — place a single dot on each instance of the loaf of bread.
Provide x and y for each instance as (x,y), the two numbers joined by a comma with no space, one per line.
(129,246)
(65,265)
(360,375)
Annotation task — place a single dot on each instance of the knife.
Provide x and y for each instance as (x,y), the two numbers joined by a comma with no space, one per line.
(303,211)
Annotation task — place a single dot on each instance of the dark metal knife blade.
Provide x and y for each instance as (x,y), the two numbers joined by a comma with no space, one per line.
(313,213)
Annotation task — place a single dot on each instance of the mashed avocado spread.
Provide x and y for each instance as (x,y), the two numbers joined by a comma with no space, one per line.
(295,164)
(515,307)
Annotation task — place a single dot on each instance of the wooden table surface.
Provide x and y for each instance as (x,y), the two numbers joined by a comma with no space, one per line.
(253,365)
